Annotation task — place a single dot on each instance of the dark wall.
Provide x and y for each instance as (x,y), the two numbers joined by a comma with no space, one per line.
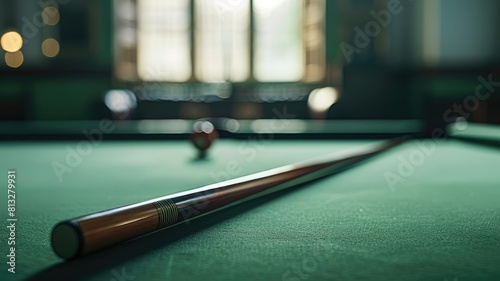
(393,77)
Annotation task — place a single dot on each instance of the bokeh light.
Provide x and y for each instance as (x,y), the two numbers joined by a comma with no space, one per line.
(119,101)
(50,16)
(320,100)
(11,42)
(50,47)
(15,59)
(203,126)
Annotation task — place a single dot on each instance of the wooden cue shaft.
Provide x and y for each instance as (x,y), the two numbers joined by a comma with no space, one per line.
(87,234)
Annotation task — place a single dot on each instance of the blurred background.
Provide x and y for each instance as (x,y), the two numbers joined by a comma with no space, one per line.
(243,59)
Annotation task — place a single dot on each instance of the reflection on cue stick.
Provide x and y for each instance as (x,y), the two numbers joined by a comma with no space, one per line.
(87,234)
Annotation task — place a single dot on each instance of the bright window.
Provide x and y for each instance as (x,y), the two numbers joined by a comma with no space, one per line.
(220,40)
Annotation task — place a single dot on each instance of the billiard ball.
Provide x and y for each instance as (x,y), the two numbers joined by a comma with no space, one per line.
(203,136)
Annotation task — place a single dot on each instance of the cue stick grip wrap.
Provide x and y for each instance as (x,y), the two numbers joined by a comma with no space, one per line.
(83,235)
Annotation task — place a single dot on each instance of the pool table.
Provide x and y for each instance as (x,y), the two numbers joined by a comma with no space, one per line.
(425,210)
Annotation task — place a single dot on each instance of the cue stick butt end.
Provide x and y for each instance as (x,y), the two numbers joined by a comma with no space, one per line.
(67,239)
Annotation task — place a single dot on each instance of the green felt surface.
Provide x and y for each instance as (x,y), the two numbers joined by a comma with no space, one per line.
(442,222)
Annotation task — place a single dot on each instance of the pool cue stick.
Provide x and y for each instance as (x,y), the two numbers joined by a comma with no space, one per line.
(83,235)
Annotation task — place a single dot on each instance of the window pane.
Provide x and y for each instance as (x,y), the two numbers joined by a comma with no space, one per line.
(278,40)
(164,51)
(314,40)
(125,39)
(222,40)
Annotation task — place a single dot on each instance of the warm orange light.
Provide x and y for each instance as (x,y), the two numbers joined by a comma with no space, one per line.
(50,16)
(14,60)
(50,47)
(11,42)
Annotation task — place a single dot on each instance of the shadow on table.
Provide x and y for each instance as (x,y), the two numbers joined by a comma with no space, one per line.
(106,260)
